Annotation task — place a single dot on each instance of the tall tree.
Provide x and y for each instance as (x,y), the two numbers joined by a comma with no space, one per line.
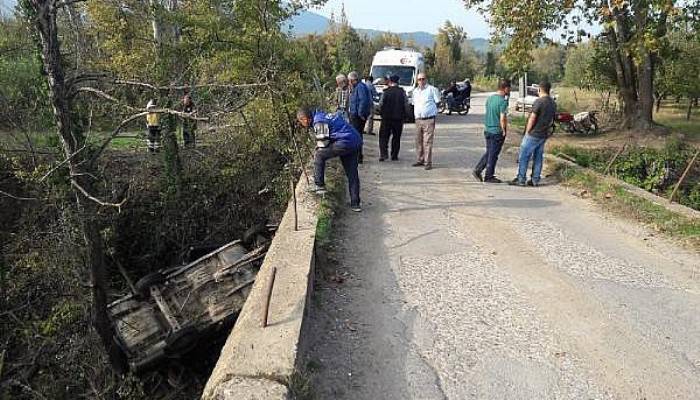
(632,30)
(43,15)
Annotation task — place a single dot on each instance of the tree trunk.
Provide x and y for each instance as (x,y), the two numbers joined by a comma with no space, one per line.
(156,23)
(659,97)
(646,90)
(645,72)
(690,109)
(625,81)
(43,14)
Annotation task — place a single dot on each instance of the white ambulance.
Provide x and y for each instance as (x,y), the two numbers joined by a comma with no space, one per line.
(407,63)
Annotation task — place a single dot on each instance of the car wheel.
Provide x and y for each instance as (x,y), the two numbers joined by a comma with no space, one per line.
(181,341)
(251,234)
(143,285)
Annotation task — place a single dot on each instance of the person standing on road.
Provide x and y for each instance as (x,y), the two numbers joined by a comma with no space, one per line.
(342,96)
(539,127)
(369,126)
(495,131)
(392,108)
(334,138)
(359,107)
(425,101)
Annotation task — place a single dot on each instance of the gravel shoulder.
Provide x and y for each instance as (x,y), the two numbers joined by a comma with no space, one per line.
(447,288)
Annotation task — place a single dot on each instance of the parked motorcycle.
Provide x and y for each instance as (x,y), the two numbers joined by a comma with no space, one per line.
(583,122)
(460,107)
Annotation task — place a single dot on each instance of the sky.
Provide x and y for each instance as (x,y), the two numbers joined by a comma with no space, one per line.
(408,15)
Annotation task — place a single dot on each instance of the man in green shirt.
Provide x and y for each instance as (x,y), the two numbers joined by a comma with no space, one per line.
(495,131)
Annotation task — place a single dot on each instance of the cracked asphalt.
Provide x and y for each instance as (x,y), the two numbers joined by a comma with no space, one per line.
(447,288)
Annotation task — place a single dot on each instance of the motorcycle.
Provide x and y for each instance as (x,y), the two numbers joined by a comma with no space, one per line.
(460,107)
(583,122)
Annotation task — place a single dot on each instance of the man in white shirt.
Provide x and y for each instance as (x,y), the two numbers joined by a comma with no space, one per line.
(425,102)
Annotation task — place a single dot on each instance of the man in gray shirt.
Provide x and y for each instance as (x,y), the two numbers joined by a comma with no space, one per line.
(538,130)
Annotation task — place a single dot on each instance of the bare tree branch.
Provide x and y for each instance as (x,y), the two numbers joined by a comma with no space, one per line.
(114,134)
(122,124)
(51,171)
(18,197)
(185,87)
(134,83)
(118,206)
(99,93)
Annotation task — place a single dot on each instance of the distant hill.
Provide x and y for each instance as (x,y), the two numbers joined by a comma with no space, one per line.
(308,22)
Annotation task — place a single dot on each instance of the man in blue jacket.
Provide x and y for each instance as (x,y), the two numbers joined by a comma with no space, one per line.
(334,138)
(359,107)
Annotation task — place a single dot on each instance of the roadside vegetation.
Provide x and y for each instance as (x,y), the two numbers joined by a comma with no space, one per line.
(655,170)
(86,208)
(618,200)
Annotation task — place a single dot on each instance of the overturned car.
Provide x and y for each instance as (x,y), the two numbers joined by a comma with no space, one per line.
(171,309)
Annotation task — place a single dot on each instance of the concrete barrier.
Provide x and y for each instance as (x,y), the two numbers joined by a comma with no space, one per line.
(256,361)
(658,200)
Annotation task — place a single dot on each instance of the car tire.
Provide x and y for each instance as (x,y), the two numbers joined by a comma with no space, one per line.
(143,285)
(251,234)
(181,341)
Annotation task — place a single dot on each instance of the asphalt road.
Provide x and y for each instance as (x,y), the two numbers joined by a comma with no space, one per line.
(447,288)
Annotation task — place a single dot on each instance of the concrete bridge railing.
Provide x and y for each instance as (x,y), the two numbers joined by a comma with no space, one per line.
(257,361)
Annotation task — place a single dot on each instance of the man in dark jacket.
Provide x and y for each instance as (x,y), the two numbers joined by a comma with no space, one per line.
(359,107)
(334,138)
(392,107)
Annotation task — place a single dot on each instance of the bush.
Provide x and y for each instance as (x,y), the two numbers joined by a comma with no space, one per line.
(655,170)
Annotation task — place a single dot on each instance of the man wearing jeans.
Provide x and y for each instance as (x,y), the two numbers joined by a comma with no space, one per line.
(539,126)
(495,131)
(425,102)
(334,138)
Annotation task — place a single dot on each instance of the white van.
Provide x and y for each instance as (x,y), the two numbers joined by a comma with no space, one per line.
(407,63)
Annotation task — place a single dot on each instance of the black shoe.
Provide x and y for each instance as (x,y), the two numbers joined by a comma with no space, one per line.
(493,180)
(477,175)
(418,164)
(360,160)
(394,159)
(428,167)
(532,183)
(382,159)
(516,182)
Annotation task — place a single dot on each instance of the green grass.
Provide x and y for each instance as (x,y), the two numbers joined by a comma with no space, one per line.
(300,387)
(126,143)
(518,120)
(617,199)
(329,206)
